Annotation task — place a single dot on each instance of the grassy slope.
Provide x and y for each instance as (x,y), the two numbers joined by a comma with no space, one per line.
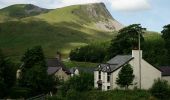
(57,30)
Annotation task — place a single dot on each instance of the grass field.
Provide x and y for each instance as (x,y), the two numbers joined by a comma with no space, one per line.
(107,95)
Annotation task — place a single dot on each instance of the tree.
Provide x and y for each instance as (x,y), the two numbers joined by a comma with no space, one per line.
(125,76)
(155,46)
(166,37)
(34,56)
(126,40)
(80,83)
(34,72)
(160,89)
(7,75)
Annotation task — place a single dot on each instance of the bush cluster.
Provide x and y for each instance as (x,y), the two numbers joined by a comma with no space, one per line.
(161,90)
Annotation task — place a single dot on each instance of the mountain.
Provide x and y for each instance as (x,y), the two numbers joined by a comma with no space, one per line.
(20,11)
(95,15)
(25,25)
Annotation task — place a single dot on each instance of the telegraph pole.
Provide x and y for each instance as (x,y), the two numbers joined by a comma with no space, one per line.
(139,60)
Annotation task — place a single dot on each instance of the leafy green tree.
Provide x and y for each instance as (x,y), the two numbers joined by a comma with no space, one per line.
(166,37)
(7,75)
(80,83)
(125,76)
(126,40)
(34,56)
(155,46)
(34,72)
(160,89)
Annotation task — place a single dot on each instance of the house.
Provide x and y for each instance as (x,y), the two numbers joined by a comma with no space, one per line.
(57,68)
(74,71)
(105,74)
(165,73)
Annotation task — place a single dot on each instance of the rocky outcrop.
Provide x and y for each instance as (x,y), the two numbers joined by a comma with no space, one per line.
(98,13)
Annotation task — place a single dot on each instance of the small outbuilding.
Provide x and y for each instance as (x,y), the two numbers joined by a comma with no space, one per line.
(57,68)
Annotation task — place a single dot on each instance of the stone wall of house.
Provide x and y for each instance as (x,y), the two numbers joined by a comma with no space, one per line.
(62,75)
(105,84)
(148,72)
(114,75)
(96,78)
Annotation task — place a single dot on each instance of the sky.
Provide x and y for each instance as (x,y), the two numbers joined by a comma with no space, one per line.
(151,14)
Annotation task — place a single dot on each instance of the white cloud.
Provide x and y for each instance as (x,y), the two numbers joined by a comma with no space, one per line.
(130,5)
(122,5)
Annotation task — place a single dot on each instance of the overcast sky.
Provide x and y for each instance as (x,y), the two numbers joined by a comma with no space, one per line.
(152,14)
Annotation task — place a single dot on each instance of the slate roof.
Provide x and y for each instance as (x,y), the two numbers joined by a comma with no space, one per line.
(72,70)
(54,62)
(89,70)
(54,65)
(165,71)
(114,63)
(52,70)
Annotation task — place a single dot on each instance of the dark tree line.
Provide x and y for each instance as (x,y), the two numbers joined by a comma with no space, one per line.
(90,53)
(166,37)
(7,75)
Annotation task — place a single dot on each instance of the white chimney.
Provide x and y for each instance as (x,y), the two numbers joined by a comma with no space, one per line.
(137,65)
(135,54)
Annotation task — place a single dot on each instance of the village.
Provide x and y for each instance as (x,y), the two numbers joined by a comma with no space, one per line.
(84,50)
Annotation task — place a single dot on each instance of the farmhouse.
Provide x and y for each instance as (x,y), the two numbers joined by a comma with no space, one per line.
(57,68)
(105,74)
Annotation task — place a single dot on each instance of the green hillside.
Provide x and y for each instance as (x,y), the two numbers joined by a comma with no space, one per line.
(23,26)
(60,29)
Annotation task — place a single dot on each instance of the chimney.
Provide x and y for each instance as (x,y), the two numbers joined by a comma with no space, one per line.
(135,53)
(58,56)
(137,66)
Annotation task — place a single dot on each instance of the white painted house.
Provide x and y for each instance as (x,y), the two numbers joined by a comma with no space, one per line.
(105,74)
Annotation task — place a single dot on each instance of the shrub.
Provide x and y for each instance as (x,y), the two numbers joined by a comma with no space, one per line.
(81,83)
(19,92)
(73,95)
(160,89)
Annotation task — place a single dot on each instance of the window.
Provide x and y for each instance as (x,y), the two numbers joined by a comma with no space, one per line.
(108,87)
(99,75)
(108,77)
